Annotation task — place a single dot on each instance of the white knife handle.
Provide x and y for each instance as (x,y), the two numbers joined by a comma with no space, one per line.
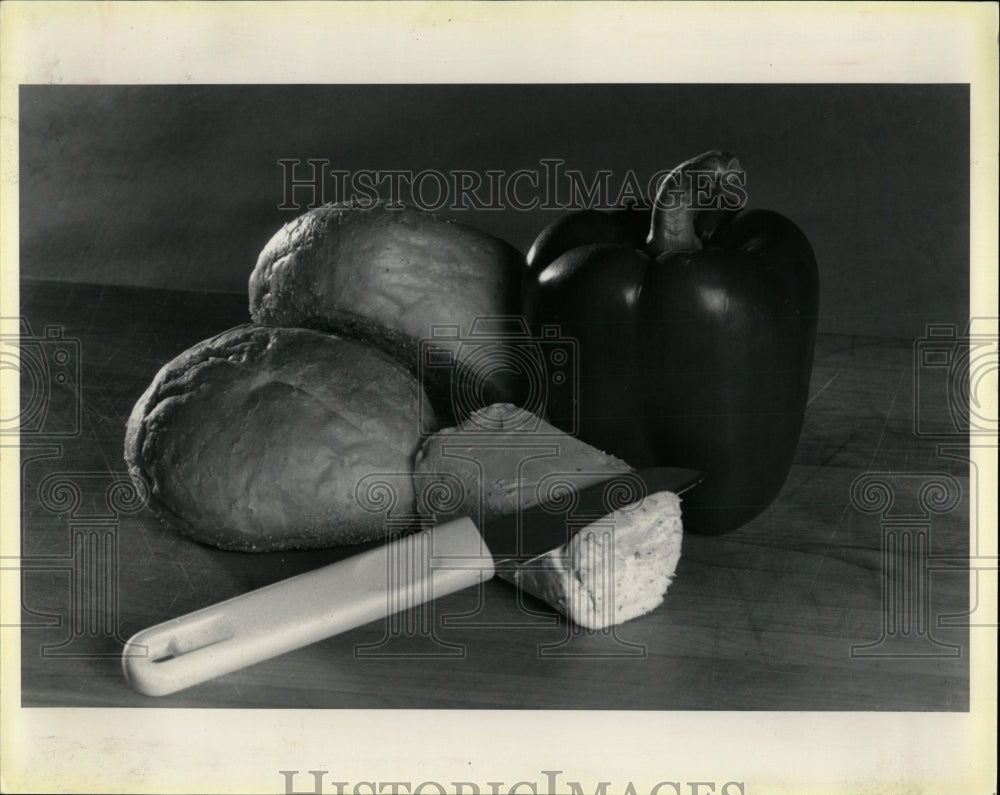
(304,609)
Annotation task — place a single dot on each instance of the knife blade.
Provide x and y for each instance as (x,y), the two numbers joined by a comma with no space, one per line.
(562,509)
(409,571)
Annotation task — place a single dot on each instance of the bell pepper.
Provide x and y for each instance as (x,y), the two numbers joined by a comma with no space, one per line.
(694,331)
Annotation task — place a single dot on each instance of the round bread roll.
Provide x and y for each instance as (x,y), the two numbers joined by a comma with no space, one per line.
(407,281)
(259,439)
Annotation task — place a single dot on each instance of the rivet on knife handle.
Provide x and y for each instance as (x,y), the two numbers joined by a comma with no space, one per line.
(259,625)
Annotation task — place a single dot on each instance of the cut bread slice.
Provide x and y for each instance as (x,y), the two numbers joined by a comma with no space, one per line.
(614,569)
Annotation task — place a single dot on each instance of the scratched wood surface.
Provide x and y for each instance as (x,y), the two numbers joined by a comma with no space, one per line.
(850,593)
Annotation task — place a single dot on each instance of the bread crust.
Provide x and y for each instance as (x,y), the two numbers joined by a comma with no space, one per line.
(256,439)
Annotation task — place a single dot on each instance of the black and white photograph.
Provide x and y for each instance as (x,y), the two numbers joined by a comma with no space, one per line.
(463,409)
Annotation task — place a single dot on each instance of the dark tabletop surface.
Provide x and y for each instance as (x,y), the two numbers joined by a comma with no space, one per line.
(850,593)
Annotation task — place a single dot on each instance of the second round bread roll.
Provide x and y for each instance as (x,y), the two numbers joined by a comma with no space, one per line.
(258,438)
(434,293)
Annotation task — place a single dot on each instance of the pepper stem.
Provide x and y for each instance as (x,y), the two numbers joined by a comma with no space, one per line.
(694,185)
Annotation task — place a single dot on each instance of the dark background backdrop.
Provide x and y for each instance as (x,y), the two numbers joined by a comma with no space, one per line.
(180,186)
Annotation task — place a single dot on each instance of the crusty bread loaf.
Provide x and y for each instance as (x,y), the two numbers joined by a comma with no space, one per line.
(614,569)
(497,457)
(256,439)
(389,277)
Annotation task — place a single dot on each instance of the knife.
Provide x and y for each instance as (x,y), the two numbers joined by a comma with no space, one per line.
(373,585)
